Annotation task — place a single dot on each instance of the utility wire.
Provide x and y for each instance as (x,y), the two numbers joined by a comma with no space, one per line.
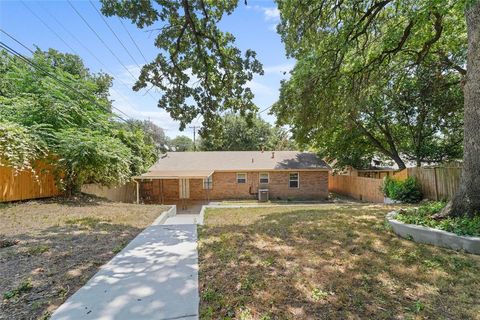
(116,36)
(8,35)
(264,110)
(99,38)
(65,84)
(48,27)
(104,43)
(133,40)
(91,53)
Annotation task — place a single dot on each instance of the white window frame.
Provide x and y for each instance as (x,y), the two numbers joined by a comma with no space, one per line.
(260,178)
(290,180)
(244,173)
(208,183)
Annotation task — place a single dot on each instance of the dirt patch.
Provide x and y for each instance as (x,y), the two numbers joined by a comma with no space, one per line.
(58,245)
(337,261)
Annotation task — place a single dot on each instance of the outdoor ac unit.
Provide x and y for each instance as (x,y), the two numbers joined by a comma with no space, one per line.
(262,195)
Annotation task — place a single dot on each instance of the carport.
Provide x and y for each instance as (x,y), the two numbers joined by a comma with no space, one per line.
(162,188)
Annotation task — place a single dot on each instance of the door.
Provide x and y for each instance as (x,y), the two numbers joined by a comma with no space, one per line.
(184,185)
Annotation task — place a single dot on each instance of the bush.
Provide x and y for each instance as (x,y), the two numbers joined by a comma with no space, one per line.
(423,216)
(405,191)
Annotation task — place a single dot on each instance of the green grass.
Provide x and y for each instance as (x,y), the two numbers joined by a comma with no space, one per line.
(423,216)
(327,262)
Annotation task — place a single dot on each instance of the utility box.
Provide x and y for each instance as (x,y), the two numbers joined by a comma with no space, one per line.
(262,195)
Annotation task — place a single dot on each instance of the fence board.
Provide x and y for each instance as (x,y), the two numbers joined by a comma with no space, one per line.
(26,185)
(126,193)
(367,189)
(437,183)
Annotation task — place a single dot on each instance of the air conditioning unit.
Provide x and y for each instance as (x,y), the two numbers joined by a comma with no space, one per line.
(262,195)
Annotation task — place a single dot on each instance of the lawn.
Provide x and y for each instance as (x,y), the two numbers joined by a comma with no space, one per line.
(334,261)
(50,248)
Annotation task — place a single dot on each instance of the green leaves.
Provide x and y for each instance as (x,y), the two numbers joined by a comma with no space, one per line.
(383,76)
(73,129)
(198,70)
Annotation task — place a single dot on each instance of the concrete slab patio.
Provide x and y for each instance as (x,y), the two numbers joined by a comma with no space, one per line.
(154,277)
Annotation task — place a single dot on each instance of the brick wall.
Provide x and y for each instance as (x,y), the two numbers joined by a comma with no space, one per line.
(313,185)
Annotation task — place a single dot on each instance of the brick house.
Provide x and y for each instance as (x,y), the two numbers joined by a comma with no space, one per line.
(220,175)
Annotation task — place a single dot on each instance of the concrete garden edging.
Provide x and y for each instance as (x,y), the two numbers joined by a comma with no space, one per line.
(165,215)
(432,236)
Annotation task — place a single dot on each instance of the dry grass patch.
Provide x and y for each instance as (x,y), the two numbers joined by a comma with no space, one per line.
(328,262)
(50,248)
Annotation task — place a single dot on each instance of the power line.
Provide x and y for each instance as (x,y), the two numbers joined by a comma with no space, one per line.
(105,44)
(100,39)
(65,84)
(8,35)
(116,36)
(48,27)
(90,52)
(264,110)
(133,40)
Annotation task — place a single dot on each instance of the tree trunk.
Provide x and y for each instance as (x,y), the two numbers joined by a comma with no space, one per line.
(466,201)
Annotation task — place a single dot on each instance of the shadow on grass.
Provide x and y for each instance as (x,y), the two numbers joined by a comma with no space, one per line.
(341,263)
(56,261)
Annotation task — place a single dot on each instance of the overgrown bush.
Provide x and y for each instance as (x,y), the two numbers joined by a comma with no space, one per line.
(423,216)
(405,191)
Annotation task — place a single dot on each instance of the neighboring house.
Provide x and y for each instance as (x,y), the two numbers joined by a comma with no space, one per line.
(217,175)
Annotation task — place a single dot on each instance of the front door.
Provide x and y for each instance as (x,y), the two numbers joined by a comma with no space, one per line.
(184,192)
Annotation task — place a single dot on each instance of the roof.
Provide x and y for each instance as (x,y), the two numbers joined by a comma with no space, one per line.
(202,164)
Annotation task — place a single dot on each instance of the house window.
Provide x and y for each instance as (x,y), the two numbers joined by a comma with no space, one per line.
(264,178)
(208,182)
(293,181)
(241,178)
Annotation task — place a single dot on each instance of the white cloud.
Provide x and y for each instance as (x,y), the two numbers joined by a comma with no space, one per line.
(271,14)
(278,69)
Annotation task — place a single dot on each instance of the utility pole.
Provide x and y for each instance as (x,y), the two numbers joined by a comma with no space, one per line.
(194,136)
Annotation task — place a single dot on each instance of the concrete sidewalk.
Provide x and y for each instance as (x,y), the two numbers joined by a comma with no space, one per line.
(154,277)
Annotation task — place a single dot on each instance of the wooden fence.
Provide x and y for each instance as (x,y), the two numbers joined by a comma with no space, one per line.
(366,189)
(437,183)
(26,185)
(126,193)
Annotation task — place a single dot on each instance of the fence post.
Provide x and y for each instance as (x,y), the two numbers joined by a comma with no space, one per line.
(436,183)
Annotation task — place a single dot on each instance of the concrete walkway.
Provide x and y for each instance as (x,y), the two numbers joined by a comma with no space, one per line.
(154,277)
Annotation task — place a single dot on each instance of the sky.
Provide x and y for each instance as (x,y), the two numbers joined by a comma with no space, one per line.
(55,24)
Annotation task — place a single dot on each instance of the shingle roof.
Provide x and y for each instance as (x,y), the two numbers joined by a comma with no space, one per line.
(178,163)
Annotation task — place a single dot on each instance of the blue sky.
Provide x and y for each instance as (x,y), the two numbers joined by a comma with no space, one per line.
(253,26)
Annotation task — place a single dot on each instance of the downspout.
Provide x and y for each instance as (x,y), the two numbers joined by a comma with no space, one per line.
(138,191)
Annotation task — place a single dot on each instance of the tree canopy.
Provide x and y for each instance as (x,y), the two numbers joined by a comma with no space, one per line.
(237,134)
(74,129)
(198,70)
(382,75)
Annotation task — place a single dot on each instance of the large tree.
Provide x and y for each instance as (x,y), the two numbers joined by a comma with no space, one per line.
(198,70)
(67,121)
(238,134)
(353,42)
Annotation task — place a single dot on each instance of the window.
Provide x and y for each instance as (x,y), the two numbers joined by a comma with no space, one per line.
(264,178)
(208,182)
(293,180)
(241,178)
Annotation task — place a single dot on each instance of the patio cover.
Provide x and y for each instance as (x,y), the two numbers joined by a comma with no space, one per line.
(175,174)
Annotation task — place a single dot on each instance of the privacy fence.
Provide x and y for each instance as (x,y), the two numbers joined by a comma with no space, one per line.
(437,183)
(25,185)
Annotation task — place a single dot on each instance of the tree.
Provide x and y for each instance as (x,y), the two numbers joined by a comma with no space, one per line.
(467,199)
(353,42)
(238,134)
(42,119)
(198,69)
(181,143)
(348,79)
(156,133)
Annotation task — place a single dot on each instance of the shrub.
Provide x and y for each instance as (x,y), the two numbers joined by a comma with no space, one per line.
(405,191)
(423,216)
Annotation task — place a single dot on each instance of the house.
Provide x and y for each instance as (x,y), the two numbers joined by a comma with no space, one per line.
(218,175)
